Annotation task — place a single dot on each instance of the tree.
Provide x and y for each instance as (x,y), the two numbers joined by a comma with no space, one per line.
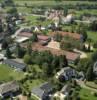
(13,12)
(89,44)
(34,38)
(72,29)
(94,56)
(4,44)
(58,37)
(46,69)
(19,51)
(84,34)
(58,0)
(66,45)
(82,65)
(29,48)
(65,11)
(27,59)
(8,53)
(93,26)
(95,44)
(57,85)
(89,73)
(55,62)
(63,61)
(1,28)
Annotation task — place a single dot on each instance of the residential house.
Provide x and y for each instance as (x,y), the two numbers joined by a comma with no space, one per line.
(68,19)
(23,36)
(73,35)
(66,73)
(63,93)
(42,39)
(43,92)
(2,57)
(9,89)
(71,56)
(15,64)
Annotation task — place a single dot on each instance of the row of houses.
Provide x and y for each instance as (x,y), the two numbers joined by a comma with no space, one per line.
(12,89)
(71,56)
(44,40)
(44,91)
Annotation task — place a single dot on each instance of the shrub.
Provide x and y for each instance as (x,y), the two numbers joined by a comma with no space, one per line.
(95,94)
(95,81)
(95,45)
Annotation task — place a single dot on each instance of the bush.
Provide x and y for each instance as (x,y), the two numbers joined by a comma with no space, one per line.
(95,45)
(95,94)
(78,88)
(27,59)
(95,81)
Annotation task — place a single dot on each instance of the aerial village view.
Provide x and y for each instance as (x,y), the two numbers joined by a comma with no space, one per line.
(48,50)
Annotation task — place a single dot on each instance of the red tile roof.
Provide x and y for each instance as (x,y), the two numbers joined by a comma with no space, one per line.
(28,34)
(69,55)
(74,35)
(43,37)
(25,34)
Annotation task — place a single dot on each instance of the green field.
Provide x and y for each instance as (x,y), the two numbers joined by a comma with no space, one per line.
(86,94)
(33,83)
(92,35)
(49,2)
(8,74)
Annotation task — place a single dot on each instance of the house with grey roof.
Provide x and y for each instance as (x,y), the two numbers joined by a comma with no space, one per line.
(8,88)
(42,92)
(15,64)
(66,73)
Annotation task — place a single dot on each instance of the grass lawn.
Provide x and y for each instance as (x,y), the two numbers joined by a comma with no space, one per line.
(91,84)
(33,83)
(8,74)
(80,12)
(33,20)
(92,35)
(49,2)
(33,98)
(86,94)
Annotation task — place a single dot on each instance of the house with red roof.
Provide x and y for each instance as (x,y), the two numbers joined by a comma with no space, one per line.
(42,39)
(73,35)
(71,56)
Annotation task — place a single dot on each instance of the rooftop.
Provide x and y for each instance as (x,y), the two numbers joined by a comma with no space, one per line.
(21,39)
(14,63)
(7,87)
(74,35)
(69,55)
(25,34)
(44,88)
(43,37)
